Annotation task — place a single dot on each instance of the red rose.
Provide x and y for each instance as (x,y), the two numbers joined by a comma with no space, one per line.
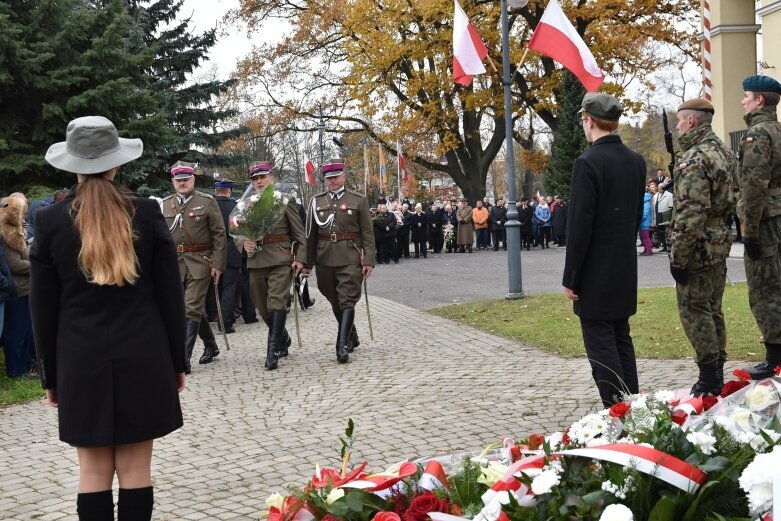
(733,386)
(709,401)
(740,373)
(423,504)
(777,370)
(565,437)
(619,410)
(328,517)
(536,441)
(386,516)
(515,453)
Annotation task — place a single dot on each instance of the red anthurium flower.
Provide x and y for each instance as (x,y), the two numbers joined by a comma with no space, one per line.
(709,401)
(619,410)
(740,373)
(334,477)
(536,441)
(733,386)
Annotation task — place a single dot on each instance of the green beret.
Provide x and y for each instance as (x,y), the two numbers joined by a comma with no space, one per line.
(700,104)
(761,84)
(601,106)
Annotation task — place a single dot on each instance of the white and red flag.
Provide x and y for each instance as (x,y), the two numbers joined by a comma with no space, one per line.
(309,167)
(556,37)
(469,51)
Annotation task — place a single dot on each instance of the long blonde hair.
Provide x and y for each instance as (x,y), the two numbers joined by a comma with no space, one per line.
(103,215)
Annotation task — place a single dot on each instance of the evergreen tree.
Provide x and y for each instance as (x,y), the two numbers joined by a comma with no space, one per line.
(568,140)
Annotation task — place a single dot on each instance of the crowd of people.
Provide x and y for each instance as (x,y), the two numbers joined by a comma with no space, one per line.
(408,230)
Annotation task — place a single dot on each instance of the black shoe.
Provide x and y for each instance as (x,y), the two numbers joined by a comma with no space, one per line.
(189,344)
(229,330)
(343,340)
(765,369)
(496,248)
(210,349)
(395,261)
(251,321)
(708,382)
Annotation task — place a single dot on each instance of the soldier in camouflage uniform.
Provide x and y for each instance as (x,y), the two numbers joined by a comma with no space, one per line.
(340,241)
(759,210)
(196,224)
(703,181)
(273,262)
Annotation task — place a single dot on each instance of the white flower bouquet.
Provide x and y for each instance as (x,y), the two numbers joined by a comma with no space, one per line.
(257,212)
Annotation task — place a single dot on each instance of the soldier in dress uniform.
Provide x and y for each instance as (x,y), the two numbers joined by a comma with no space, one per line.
(700,241)
(273,262)
(198,231)
(229,281)
(340,241)
(759,210)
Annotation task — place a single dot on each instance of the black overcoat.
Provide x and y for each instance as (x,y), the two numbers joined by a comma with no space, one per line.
(496,214)
(111,352)
(419,233)
(525,216)
(560,219)
(233,256)
(605,210)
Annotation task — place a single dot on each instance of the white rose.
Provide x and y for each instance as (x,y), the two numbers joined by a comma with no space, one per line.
(705,442)
(616,512)
(275,500)
(255,198)
(334,495)
(759,398)
(545,482)
(756,481)
(742,419)
(664,396)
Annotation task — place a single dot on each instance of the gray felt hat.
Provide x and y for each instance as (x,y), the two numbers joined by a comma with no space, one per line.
(601,106)
(92,146)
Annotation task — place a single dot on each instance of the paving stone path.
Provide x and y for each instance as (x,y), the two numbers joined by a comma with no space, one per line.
(425,385)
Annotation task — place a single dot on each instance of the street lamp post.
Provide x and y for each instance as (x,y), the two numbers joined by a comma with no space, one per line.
(320,133)
(512,226)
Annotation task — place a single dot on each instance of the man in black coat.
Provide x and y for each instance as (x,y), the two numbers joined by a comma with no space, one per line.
(497,216)
(229,281)
(600,270)
(560,222)
(525,216)
(436,223)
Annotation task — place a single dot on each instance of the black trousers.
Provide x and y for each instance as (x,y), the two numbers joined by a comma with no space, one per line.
(436,239)
(402,244)
(612,357)
(499,236)
(248,312)
(229,283)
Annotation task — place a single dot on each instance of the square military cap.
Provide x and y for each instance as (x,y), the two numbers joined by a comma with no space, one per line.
(601,106)
(333,167)
(182,170)
(260,168)
(761,84)
(700,104)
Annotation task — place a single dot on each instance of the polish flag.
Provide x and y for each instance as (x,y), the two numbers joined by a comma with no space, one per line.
(469,51)
(556,37)
(310,172)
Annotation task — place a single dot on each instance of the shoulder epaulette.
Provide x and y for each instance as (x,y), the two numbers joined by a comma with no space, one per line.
(355,192)
(204,194)
(167,197)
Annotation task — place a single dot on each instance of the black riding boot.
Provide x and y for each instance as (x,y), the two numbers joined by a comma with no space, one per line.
(192,334)
(343,340)
(135,504)
(284,343)
(210,349)
(767,368)
(275,338)
(720,371)
(708,382)
(95,506)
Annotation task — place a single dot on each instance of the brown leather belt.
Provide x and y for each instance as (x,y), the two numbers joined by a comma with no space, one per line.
(271,239)
(334,237)
(181,248)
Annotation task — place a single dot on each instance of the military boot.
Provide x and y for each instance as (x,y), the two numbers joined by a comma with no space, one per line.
(708,382)
(720,371)
(767,368)
(343,340)
(353,342)
(286,341)
(277,321)
(189,344)
(210,349)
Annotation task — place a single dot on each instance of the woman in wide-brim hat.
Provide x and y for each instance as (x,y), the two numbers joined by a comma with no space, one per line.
(108,317)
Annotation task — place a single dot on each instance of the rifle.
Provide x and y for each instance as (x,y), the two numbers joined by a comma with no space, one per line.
(668,144)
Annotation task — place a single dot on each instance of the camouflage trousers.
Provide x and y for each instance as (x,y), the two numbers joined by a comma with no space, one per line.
(699,306)
(764,281)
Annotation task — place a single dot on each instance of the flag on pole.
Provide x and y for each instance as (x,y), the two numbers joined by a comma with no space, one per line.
(309,167)
(469,51)
(557,38)
(383,168)
(406,176)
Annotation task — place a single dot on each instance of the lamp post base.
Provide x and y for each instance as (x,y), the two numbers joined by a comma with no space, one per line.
(514,296)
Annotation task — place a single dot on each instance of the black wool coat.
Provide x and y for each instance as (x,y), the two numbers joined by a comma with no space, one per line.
(525,216)
(496,214)
(111,352)
(605,210)
(233,257)
(419,233)
(560,219)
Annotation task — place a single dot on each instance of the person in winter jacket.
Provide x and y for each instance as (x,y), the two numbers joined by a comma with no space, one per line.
(645,226)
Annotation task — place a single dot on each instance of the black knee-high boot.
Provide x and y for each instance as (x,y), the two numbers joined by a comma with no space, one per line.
(95,506)
(135,504)
(189,345)
(210,349)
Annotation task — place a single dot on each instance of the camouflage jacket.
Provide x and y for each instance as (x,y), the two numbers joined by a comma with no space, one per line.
(760,170)
(703,181)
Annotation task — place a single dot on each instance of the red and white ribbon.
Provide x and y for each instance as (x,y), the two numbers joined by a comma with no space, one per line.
(683,411)
(433,477)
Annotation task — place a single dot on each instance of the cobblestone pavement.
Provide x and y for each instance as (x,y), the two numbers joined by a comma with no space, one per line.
(425,385)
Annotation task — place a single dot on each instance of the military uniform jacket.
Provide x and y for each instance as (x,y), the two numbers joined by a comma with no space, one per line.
(703,180)
(760,170)
(351,215)
(279,253)
(199,223)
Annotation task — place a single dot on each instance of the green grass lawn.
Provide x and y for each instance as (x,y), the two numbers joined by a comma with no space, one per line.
(14,390)
(547,322)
